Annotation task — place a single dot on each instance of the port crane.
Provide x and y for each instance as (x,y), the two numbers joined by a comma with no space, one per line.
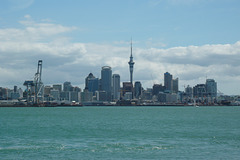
(36,86)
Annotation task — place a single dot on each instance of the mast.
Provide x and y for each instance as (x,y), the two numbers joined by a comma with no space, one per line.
(131,63)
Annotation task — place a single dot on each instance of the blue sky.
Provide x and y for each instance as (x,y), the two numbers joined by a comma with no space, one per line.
(191,39)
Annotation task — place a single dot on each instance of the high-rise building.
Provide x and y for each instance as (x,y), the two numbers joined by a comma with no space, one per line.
(189,91)
(57,87)
(211,88)
(106,81)
(175,85)
(157,88)
(67,86)
(131,63)
(47,90)
(15,89)
(55,94)
(127,88)
(90,76)
(199,91)
(93,85)
(137,89)
(116,86)
(168,81)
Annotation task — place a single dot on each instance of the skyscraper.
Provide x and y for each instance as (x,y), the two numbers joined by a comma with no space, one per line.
(93,84)
(131,63)
(106,80)
(90,76)
(116,86)
(157,88)
(57,87)
(168,81)
(127,88)
(138,89)
(175,85)
(67,86)
(211,88)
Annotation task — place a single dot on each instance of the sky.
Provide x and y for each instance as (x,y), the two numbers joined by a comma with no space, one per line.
(191,39)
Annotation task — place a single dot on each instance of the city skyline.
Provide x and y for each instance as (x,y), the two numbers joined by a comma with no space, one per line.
(199,40)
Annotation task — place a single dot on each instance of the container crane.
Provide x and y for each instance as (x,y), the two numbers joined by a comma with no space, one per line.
(37,84)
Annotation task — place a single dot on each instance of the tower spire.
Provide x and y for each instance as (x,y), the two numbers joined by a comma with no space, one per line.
(131,63)
(131,47)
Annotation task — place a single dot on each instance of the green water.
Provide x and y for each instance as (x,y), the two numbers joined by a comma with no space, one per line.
(120,133)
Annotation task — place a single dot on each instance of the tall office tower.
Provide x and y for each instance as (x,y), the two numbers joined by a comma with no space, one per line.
(189,91)
(175,85)
(127,88)
(57,87)
(131,63)
(47,90)
(67,86)
(93,85)
(211,88)
(116,86)
(199,91)
(106,81)
(157,88)
(138,89)
(15,89)
(168,81)
(90,76)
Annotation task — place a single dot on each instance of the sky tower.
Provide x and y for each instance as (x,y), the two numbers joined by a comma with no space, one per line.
(131,63)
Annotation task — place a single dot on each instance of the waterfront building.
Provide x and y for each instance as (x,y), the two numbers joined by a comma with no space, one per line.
(90,76)
(76,89)
(127,87)
(199,91)
(20,91)
(47,90)
(116,86)
(14,95)
(211,88)
(15,89)
(65,96)
(162,97)
(167,97)
(93,85)
(171,98)
(101,96)
(175,85)
(86,96)
(137,89)
(55,94)
(3,93)
(106,81)
(168,81)
(157,88)
(57,87)
(75,96)
(67,86)
(147,94)
(189,91)
(127,96)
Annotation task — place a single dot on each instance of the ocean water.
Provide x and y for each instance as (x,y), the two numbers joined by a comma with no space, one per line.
(120,133)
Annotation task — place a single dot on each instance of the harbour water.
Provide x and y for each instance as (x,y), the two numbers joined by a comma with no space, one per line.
(120,133)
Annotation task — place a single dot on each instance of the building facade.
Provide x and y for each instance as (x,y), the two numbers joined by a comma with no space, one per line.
(106,81)
(116,86)
(168,81)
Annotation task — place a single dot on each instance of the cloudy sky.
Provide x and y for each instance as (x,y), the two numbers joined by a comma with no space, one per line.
(191,39)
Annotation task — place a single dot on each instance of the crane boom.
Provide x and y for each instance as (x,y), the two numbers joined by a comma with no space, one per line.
(38,82)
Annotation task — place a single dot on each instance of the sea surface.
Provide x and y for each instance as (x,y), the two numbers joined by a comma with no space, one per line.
(120,133)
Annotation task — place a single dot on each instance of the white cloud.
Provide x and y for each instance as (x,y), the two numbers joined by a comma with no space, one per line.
(64,60)
(34,31)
